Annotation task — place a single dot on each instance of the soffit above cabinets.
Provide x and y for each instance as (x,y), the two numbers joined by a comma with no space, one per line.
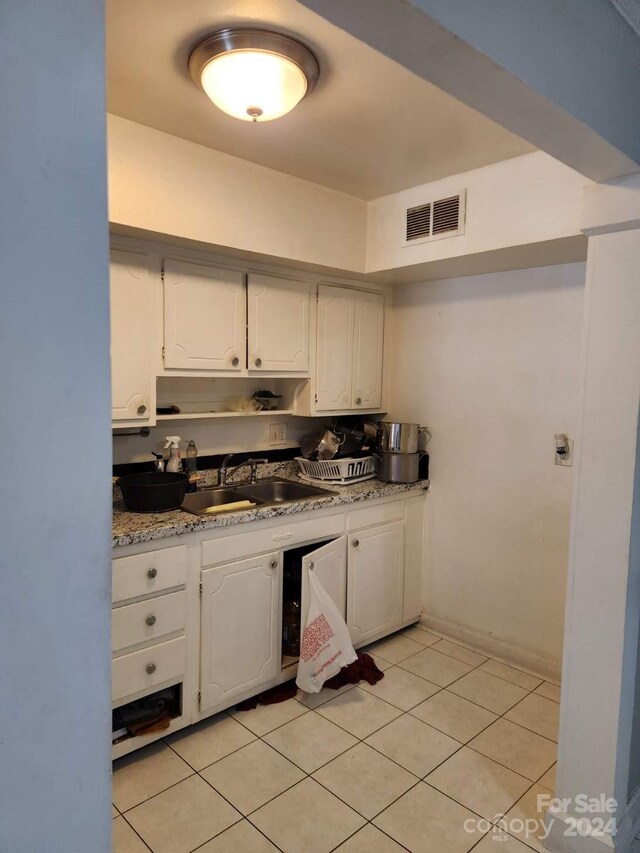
(370,127)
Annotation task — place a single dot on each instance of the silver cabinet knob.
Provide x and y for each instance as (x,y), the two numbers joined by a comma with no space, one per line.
(356,543)
(274,564)
(151,620)
(151,668)
(311,565)
(142,409)
(258,362)
(358,401)
(235,361)
(151,573)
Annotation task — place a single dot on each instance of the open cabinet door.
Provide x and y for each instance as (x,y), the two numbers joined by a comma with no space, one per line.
(329,562)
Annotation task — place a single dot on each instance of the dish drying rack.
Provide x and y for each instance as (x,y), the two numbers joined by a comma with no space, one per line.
(340,472)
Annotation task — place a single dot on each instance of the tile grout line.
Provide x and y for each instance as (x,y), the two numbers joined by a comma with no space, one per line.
(134,830)
(362,740)
(157,793)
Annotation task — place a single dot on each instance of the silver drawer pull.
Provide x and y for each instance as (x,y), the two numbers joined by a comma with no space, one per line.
(151,573)
(273,564)
(151,620)
(311,566)
(278,536)
(356,543)
(151,668)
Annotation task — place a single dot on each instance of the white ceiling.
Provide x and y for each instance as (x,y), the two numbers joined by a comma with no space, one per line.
(370,127)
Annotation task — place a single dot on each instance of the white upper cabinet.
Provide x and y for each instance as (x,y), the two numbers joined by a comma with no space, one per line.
(367,350)
(204,317)
(336,312)
(132,336)
(278,324)
(350,346)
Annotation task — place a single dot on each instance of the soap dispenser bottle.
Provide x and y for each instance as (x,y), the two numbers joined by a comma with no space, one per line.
(174,465)
(192,466)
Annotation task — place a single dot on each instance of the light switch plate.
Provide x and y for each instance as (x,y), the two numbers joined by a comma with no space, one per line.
(277,434)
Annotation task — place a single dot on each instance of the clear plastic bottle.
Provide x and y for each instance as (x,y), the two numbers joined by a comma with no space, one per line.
(174,465)
(192,466)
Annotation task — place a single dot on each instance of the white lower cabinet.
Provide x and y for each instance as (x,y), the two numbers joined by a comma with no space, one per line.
(375,581)
(329,563)
(225,644)
(240,628)
(148,669)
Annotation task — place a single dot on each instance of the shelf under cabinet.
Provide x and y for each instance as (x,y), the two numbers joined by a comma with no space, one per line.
(186,416)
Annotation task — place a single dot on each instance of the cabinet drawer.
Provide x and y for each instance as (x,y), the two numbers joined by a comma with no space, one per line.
(130,673)
(147,620)
(152,571)
(381,514)
(230,548)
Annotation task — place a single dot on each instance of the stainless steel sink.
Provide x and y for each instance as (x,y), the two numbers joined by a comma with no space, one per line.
(262,493)
(204,502)
(280,491)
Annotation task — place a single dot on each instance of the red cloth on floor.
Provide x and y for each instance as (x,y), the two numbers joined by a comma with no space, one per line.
(362,669)
(279,693)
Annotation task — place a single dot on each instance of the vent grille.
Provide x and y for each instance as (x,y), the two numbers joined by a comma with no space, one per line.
(418,222)
(443,217)
(445,214)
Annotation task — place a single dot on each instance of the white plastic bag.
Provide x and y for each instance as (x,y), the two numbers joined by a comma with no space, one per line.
(325,644)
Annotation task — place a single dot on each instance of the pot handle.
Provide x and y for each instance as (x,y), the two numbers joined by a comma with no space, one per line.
(427,432)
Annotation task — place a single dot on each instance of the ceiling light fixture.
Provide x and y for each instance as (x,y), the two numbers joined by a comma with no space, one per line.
(253,74)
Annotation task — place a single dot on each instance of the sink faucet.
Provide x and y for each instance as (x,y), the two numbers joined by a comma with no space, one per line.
(225,472)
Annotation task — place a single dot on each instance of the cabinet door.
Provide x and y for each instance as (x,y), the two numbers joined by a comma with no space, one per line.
(375,581)
(204,317)
(240,628)
(367,351)
(278,324)
(334,359)
(131,300)
(330,566)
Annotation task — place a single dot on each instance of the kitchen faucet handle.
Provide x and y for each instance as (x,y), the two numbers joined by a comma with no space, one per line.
(253,468)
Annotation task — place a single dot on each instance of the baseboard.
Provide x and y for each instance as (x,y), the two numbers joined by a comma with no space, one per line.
(537,663)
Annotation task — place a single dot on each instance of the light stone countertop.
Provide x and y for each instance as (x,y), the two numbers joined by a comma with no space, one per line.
(130,528)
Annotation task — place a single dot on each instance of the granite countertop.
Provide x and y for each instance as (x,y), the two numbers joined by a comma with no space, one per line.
(130,528)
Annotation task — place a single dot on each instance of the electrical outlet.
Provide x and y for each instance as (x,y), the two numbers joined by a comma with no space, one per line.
(277,434)
(565,458)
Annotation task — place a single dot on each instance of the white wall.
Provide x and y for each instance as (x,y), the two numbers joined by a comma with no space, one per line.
(55,525)
(227,435)
(490,364)
(172,187)
(522,201)
(603,606)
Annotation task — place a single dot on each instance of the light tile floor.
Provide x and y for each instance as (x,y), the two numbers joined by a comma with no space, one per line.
(427,760)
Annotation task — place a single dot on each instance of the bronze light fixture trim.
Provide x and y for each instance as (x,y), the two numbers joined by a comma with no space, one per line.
(253,74)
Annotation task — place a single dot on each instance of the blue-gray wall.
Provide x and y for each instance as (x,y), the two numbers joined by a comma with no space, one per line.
(54,430)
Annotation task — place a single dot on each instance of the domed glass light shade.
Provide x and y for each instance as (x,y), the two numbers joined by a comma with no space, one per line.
(253,75)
